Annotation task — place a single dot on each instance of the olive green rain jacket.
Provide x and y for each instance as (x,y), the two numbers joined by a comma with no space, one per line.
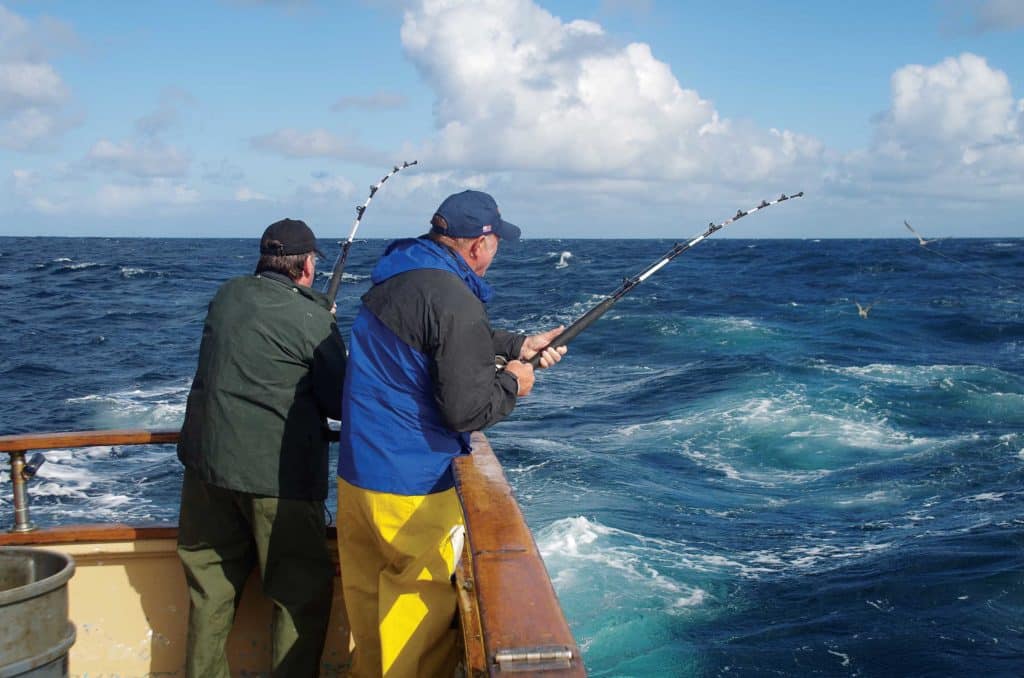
(271,368)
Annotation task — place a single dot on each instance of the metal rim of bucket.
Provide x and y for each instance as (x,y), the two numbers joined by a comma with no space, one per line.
(40,660)
(38,588)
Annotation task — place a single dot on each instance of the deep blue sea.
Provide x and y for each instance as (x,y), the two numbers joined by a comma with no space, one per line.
(733,473)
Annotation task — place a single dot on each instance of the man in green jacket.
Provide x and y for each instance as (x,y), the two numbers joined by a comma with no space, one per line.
(254,445)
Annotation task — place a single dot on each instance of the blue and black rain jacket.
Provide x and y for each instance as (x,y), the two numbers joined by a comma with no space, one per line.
(420,373)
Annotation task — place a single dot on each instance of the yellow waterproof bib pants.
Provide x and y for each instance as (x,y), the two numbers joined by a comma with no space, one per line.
(398,555)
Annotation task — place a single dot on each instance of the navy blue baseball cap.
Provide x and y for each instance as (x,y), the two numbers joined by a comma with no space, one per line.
(471,214)
(288,236)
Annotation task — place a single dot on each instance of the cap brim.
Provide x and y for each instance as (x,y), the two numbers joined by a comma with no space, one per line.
(507,231)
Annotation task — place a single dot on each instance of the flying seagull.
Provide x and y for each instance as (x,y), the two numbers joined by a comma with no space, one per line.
(862,311)
(921,241)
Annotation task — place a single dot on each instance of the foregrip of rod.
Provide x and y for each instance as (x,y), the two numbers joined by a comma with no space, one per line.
(339,268)
(572,331)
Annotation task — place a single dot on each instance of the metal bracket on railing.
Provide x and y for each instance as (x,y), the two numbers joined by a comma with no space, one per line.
(19,481)
(547,658)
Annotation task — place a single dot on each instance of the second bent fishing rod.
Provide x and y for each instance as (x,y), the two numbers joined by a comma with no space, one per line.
(588,318)
(339,264)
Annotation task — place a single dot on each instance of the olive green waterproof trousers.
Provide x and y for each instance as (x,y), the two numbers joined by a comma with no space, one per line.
(222,535)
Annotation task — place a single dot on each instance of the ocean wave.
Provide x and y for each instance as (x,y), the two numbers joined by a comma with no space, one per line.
(814,554)
(777,438)
(81,266)
(137,272)
(915,375)
(584,555)
(582,552)
(99,483)
(157,407)
(35,370)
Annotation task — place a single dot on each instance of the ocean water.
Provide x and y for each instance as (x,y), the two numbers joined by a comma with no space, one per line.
(733,473)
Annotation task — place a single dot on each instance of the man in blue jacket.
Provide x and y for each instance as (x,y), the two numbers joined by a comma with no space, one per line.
(420,378)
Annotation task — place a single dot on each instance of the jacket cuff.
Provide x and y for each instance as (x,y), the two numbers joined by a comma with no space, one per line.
(509,382)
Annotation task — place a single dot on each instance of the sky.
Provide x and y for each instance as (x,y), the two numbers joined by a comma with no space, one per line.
(583,118)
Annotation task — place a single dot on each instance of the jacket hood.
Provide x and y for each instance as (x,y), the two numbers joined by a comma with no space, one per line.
(410,254)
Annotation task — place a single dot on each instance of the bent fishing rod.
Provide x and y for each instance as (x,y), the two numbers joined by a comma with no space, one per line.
(629,284)
(339,266)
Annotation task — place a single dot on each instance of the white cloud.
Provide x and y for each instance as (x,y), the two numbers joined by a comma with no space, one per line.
(30,129)
(22,40)
(328,187)
(150,159)
(24,84)
(519,89)
(52,194)
(166,114)
(318,143)
(246,194)
(960,100)
(222,173)
(118,198)
(953,129)
(33,96)
(539,106)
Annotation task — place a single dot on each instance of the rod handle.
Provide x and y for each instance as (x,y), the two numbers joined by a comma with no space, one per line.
(571,332)
(339,268)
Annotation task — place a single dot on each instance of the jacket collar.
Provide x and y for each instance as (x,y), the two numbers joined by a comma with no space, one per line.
(410,254)
(308,292)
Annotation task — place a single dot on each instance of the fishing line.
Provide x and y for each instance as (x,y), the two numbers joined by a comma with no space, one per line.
(973,268)
(629,284)
(339,266)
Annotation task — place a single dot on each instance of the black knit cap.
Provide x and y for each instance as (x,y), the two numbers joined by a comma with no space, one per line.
(288,236)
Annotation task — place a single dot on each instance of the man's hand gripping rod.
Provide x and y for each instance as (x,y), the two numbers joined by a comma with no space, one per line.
(339,266)
(629,284)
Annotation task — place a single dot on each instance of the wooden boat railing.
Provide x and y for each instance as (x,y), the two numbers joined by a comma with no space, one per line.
(511,619)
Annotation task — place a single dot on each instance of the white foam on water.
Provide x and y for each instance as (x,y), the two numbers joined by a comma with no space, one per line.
(841,655)
(110,502)
(785,438)
(80,266)
(793,415)
(156,407)
(582,553)
(725,330)
(521,470)
(734,324)
(985,496)
(713,463)
(946,376)
(696,598)
(815,555)
(81,484)
(131,272)
(67,473)
(887,496)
